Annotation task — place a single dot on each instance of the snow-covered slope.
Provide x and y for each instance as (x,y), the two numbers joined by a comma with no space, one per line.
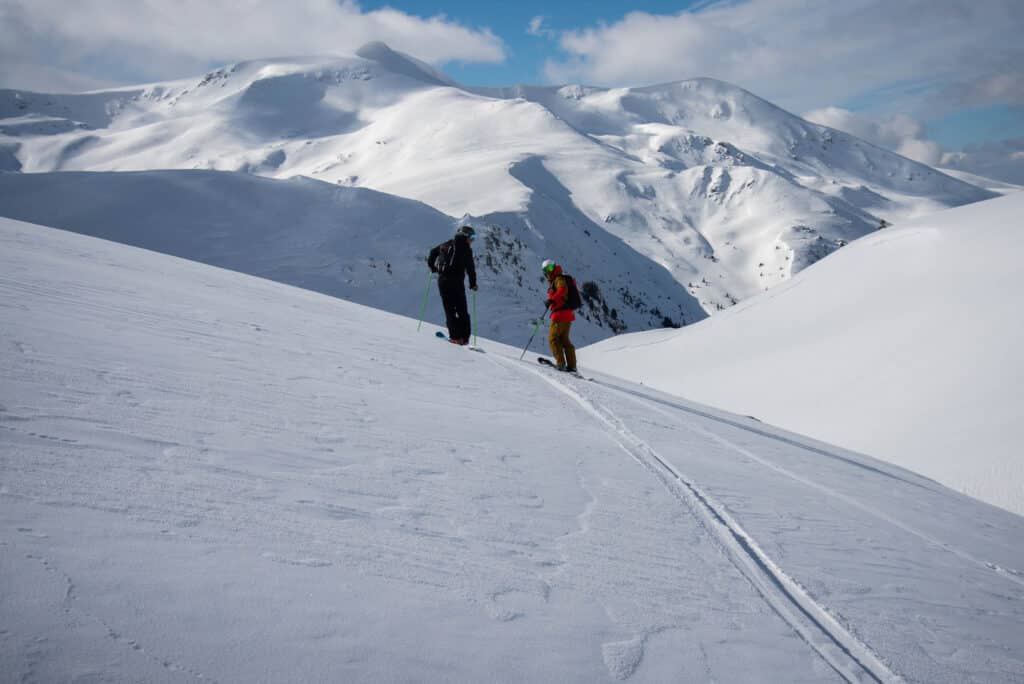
(205,475)
(990,184)
(716,173)
(729,193)
(905,346)
(358,244)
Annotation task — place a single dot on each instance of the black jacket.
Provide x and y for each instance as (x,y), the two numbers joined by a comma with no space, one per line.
(462,263)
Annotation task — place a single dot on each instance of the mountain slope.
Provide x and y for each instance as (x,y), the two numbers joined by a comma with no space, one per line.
(727,192)
(916,365)
(358,244)
(219,477)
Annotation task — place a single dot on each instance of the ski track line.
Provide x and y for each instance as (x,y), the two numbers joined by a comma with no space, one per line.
(846,654)
(761,432)
(1010,574)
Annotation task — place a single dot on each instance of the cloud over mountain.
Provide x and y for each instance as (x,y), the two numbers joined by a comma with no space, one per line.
(51,45)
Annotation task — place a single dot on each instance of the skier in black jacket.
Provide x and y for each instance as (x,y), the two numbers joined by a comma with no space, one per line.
(452,261)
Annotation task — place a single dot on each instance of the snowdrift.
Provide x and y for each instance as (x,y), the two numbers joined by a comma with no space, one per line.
(904,345)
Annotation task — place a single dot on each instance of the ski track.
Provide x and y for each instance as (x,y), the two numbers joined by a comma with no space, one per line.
(764,433)
(1010,574)
(846,654)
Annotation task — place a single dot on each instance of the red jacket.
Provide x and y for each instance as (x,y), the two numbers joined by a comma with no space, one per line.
(558,295)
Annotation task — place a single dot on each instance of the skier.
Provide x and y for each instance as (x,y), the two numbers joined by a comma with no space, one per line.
(452,261)
(559,301)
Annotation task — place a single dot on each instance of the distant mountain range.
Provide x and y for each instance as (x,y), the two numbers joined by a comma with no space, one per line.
(674,200)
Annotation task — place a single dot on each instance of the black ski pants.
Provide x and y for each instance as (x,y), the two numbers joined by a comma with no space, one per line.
(453,296)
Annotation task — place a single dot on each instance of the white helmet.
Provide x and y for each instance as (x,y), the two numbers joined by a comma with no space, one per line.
(547,266)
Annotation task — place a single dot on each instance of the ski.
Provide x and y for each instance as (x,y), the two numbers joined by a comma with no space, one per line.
(441,335)
(551,364)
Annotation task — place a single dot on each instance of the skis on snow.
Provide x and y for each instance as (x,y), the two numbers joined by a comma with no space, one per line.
(551,364)
(544,361)
(442,336)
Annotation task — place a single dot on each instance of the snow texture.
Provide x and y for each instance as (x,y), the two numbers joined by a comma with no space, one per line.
(918,364)
(206,475)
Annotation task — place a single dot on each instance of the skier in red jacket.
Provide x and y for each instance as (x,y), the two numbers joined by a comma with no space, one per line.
(561,317)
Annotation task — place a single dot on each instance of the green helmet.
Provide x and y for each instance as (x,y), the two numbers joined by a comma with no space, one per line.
(467,231)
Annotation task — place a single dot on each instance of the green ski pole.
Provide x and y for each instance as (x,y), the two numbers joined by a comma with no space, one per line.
(426,293)
(474,318)
(535,329)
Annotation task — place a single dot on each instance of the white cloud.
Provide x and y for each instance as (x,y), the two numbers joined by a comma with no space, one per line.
(537,28)
(157,39)
(899,133)
(802,54)
(924,151)
(15,73)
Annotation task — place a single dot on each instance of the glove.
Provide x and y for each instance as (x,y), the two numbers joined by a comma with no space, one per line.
(548,303)
(473,287)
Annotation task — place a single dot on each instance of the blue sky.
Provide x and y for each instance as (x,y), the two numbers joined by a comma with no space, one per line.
(923,77)
(956,131)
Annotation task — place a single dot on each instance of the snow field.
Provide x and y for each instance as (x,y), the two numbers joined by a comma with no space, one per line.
(209,474)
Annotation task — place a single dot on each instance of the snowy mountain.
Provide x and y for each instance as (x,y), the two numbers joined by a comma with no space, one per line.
(211,476)
(727,192)
(919,365)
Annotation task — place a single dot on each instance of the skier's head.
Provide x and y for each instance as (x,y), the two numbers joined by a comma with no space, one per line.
(466,232)
(550,269)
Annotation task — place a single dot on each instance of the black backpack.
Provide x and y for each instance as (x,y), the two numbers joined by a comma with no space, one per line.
(573,301)
(445,256)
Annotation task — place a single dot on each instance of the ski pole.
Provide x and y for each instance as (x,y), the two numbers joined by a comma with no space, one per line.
(474,318)
(535,329)
(426,293)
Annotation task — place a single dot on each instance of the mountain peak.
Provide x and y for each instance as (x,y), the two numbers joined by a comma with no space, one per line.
(375,50)
(401,63)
